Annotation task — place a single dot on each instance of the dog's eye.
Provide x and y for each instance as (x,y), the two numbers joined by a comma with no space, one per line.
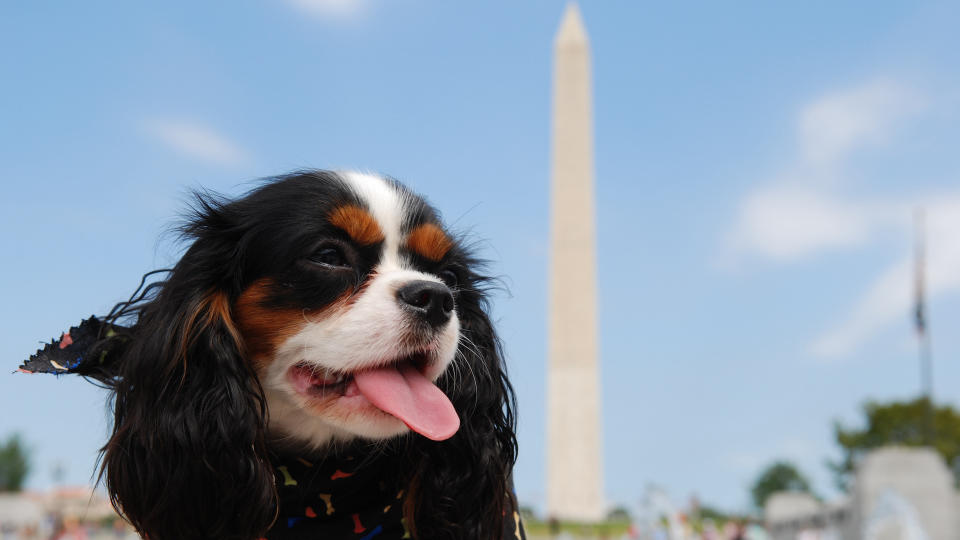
(449,277)
(330,256)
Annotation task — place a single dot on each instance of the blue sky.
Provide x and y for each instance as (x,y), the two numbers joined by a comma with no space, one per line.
(757,170)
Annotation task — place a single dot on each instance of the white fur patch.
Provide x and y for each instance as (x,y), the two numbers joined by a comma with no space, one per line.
(387,206)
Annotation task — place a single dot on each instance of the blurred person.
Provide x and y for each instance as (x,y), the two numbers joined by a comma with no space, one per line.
(71,528)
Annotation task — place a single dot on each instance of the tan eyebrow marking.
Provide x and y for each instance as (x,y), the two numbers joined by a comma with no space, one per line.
(429,240)
(358,223)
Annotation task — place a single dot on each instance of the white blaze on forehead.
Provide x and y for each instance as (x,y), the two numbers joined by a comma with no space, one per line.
(387,205)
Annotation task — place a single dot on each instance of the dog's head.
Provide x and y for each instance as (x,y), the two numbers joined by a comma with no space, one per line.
(321,307)
(349,308)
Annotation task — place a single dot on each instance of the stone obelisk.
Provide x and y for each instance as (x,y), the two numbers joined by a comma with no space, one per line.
(574,466)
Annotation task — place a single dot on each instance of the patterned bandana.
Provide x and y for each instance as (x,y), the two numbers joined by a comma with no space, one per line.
(346,498)
(87,349)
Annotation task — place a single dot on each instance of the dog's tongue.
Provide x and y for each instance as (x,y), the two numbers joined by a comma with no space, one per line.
(405,393)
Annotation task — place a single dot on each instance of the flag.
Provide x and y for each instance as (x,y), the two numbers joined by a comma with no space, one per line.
(920,317)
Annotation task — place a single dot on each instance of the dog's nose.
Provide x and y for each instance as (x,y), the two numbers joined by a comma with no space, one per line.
(431,301)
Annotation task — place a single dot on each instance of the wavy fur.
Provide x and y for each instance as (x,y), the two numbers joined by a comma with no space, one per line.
(188,456)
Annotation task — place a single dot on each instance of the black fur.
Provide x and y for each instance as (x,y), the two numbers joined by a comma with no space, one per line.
(189,456)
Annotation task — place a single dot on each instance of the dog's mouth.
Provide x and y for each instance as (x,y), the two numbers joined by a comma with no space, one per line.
(399,388)
(318,381)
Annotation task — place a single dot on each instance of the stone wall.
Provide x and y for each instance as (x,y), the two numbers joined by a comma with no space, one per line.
(897,489)
(898,493)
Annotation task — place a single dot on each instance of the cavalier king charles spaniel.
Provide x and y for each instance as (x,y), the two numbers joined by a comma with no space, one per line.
(320,363)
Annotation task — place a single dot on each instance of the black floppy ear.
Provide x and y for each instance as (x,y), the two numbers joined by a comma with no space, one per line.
(187,457)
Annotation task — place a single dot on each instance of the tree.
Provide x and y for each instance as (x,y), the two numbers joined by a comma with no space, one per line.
(778,476)
(528,514)
(14,464)
(618,514)
(897,423)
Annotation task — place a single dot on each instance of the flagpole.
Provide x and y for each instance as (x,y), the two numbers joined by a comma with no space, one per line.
(923,332)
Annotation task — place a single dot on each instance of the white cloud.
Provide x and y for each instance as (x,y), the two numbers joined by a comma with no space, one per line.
(786,222)
(838,123)
(890,295)
(329,8)
(801,213)
(196,140)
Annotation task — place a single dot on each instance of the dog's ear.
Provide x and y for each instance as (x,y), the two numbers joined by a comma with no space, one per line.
(461,487)
(187,456)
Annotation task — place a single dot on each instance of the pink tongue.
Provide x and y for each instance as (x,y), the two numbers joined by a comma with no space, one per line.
(405,393)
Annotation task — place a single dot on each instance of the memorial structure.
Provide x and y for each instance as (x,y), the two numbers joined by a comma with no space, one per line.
(897,493)
(574,467)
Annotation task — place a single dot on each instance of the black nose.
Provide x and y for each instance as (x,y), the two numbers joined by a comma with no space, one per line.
(431,301)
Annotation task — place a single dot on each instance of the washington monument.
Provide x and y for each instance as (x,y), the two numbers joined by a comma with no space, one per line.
(574,468)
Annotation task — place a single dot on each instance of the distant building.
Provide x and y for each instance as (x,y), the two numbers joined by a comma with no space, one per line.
(34,514)
(19,512)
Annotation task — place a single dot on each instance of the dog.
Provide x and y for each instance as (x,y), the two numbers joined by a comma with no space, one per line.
(319,363)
